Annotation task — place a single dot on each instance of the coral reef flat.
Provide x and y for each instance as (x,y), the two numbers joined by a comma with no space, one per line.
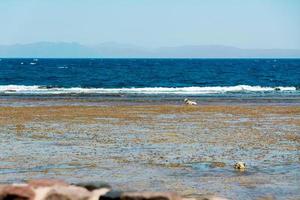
(188,149)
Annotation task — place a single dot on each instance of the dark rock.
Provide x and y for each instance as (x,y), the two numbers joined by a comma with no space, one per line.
(112,195)
(94,185)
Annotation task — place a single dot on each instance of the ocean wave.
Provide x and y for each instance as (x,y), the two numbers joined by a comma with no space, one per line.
(22,89)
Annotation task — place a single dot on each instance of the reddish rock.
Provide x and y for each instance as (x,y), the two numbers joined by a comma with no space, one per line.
(55,196)
(46,183)
(61,192)
(16,192)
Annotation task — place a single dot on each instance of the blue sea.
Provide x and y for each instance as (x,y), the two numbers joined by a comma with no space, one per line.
(150,77)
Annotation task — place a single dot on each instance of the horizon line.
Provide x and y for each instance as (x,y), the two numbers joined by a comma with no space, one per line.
(147,47)
(167,58)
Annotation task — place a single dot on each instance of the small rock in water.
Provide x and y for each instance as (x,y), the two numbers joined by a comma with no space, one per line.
(240,166)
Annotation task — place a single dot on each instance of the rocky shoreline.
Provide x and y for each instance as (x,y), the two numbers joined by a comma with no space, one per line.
(48,189)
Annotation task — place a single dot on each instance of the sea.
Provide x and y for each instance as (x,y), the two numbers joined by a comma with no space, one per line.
(156,148)
(133,79)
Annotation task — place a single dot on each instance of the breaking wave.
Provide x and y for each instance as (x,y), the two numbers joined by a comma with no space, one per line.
(22,89)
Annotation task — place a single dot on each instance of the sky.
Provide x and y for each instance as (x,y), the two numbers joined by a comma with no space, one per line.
(153,23)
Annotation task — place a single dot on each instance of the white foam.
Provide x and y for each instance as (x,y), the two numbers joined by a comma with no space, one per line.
(22,89)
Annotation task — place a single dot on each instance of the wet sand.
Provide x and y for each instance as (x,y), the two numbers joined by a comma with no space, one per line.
(188,149)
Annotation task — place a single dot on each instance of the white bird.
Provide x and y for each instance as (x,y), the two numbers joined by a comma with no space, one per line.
(188,102)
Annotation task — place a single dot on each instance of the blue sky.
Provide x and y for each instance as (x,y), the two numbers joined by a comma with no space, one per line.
(153,23)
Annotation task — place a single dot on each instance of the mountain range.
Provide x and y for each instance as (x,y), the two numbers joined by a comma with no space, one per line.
(116,50)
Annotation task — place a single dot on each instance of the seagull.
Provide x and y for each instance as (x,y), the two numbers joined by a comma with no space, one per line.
(188,102)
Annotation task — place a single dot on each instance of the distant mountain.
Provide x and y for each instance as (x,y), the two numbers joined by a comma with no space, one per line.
(219,51)
(46,50)
(116,50)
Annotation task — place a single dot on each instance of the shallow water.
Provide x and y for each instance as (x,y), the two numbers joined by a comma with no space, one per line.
(191,152)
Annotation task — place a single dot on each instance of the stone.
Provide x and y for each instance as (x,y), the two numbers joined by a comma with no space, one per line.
(58,190)
(46,183)
(96,194)
(93,185)
(16,192)
(240,166)
(150,196)
(61,192)
(112,195)
(56,196)
(41,192)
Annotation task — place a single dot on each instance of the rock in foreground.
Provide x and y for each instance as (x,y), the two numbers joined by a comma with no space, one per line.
(59,190)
